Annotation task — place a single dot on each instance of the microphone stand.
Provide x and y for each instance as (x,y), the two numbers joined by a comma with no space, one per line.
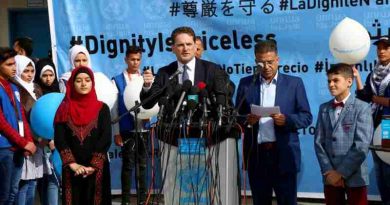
(204,114)
(235,113)
(235,110)
(136,109)
(148,99)
(136,135)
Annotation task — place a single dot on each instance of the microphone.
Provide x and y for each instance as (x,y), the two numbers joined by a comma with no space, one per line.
(178,71)
(162,103)
(204,96)
(192,102)
(221,99)
(220,81)
(230,88)
(185,88)
(259,68)
(205,100)
(229,105)
(210,93)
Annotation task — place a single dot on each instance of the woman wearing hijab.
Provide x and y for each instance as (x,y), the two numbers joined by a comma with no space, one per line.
(79,56)
(83,136)
(46,76)
(33,165)
(29,91)
(48,185)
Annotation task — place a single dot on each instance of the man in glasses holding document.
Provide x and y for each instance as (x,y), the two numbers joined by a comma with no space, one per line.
(272,154)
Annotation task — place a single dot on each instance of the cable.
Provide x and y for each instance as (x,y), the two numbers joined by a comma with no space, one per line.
(152,174)
(243,160)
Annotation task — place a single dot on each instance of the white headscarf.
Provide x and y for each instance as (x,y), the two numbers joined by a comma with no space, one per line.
(76,49)
(21,64)
(46,68)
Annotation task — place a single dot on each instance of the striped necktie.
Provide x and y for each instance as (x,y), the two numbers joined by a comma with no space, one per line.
(185,76)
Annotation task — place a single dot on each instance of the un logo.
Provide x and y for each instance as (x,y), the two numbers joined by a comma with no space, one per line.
(115,10)
(155,9)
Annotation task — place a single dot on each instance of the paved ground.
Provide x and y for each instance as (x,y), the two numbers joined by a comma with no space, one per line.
(116,201)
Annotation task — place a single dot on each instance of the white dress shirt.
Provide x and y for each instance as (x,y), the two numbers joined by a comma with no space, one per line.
(190,70)
(339,108)
(267,99)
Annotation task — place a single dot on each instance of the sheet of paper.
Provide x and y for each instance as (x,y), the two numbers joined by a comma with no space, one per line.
(264,111)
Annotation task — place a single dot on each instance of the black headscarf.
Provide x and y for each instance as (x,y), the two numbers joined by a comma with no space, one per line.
(39,66)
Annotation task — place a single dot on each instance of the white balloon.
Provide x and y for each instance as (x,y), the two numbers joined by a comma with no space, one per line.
(131,95)
(105,89)
(384,156)
(349,41)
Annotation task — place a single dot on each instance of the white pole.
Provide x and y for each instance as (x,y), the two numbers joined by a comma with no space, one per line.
(52,33)
(227,172)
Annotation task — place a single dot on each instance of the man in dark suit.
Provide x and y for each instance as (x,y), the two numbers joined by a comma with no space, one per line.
(271,145)
(196,71)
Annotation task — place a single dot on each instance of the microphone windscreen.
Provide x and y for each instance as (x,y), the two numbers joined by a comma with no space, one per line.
(220,80)
(176,91)
(203,93)
(221,99)
(163,101)
(231,88)
(260,66)
(194,90)
(187,84)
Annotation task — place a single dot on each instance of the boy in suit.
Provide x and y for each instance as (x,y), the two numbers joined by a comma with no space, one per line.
(343,133)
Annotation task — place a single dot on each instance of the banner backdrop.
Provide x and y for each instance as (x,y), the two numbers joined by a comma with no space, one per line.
(229,29)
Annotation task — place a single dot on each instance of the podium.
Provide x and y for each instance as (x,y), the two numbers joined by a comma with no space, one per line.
(197,174)
(382,152)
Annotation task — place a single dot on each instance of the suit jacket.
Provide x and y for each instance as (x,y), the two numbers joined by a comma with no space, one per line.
(204,71)
(342,145)
(291,97)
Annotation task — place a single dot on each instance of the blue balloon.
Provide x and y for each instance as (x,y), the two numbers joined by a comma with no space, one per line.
(55,158)
(43,113)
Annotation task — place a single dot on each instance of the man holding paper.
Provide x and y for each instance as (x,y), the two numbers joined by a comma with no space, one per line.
(272,152)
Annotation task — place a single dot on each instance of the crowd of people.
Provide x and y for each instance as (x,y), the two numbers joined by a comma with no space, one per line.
(271,149)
